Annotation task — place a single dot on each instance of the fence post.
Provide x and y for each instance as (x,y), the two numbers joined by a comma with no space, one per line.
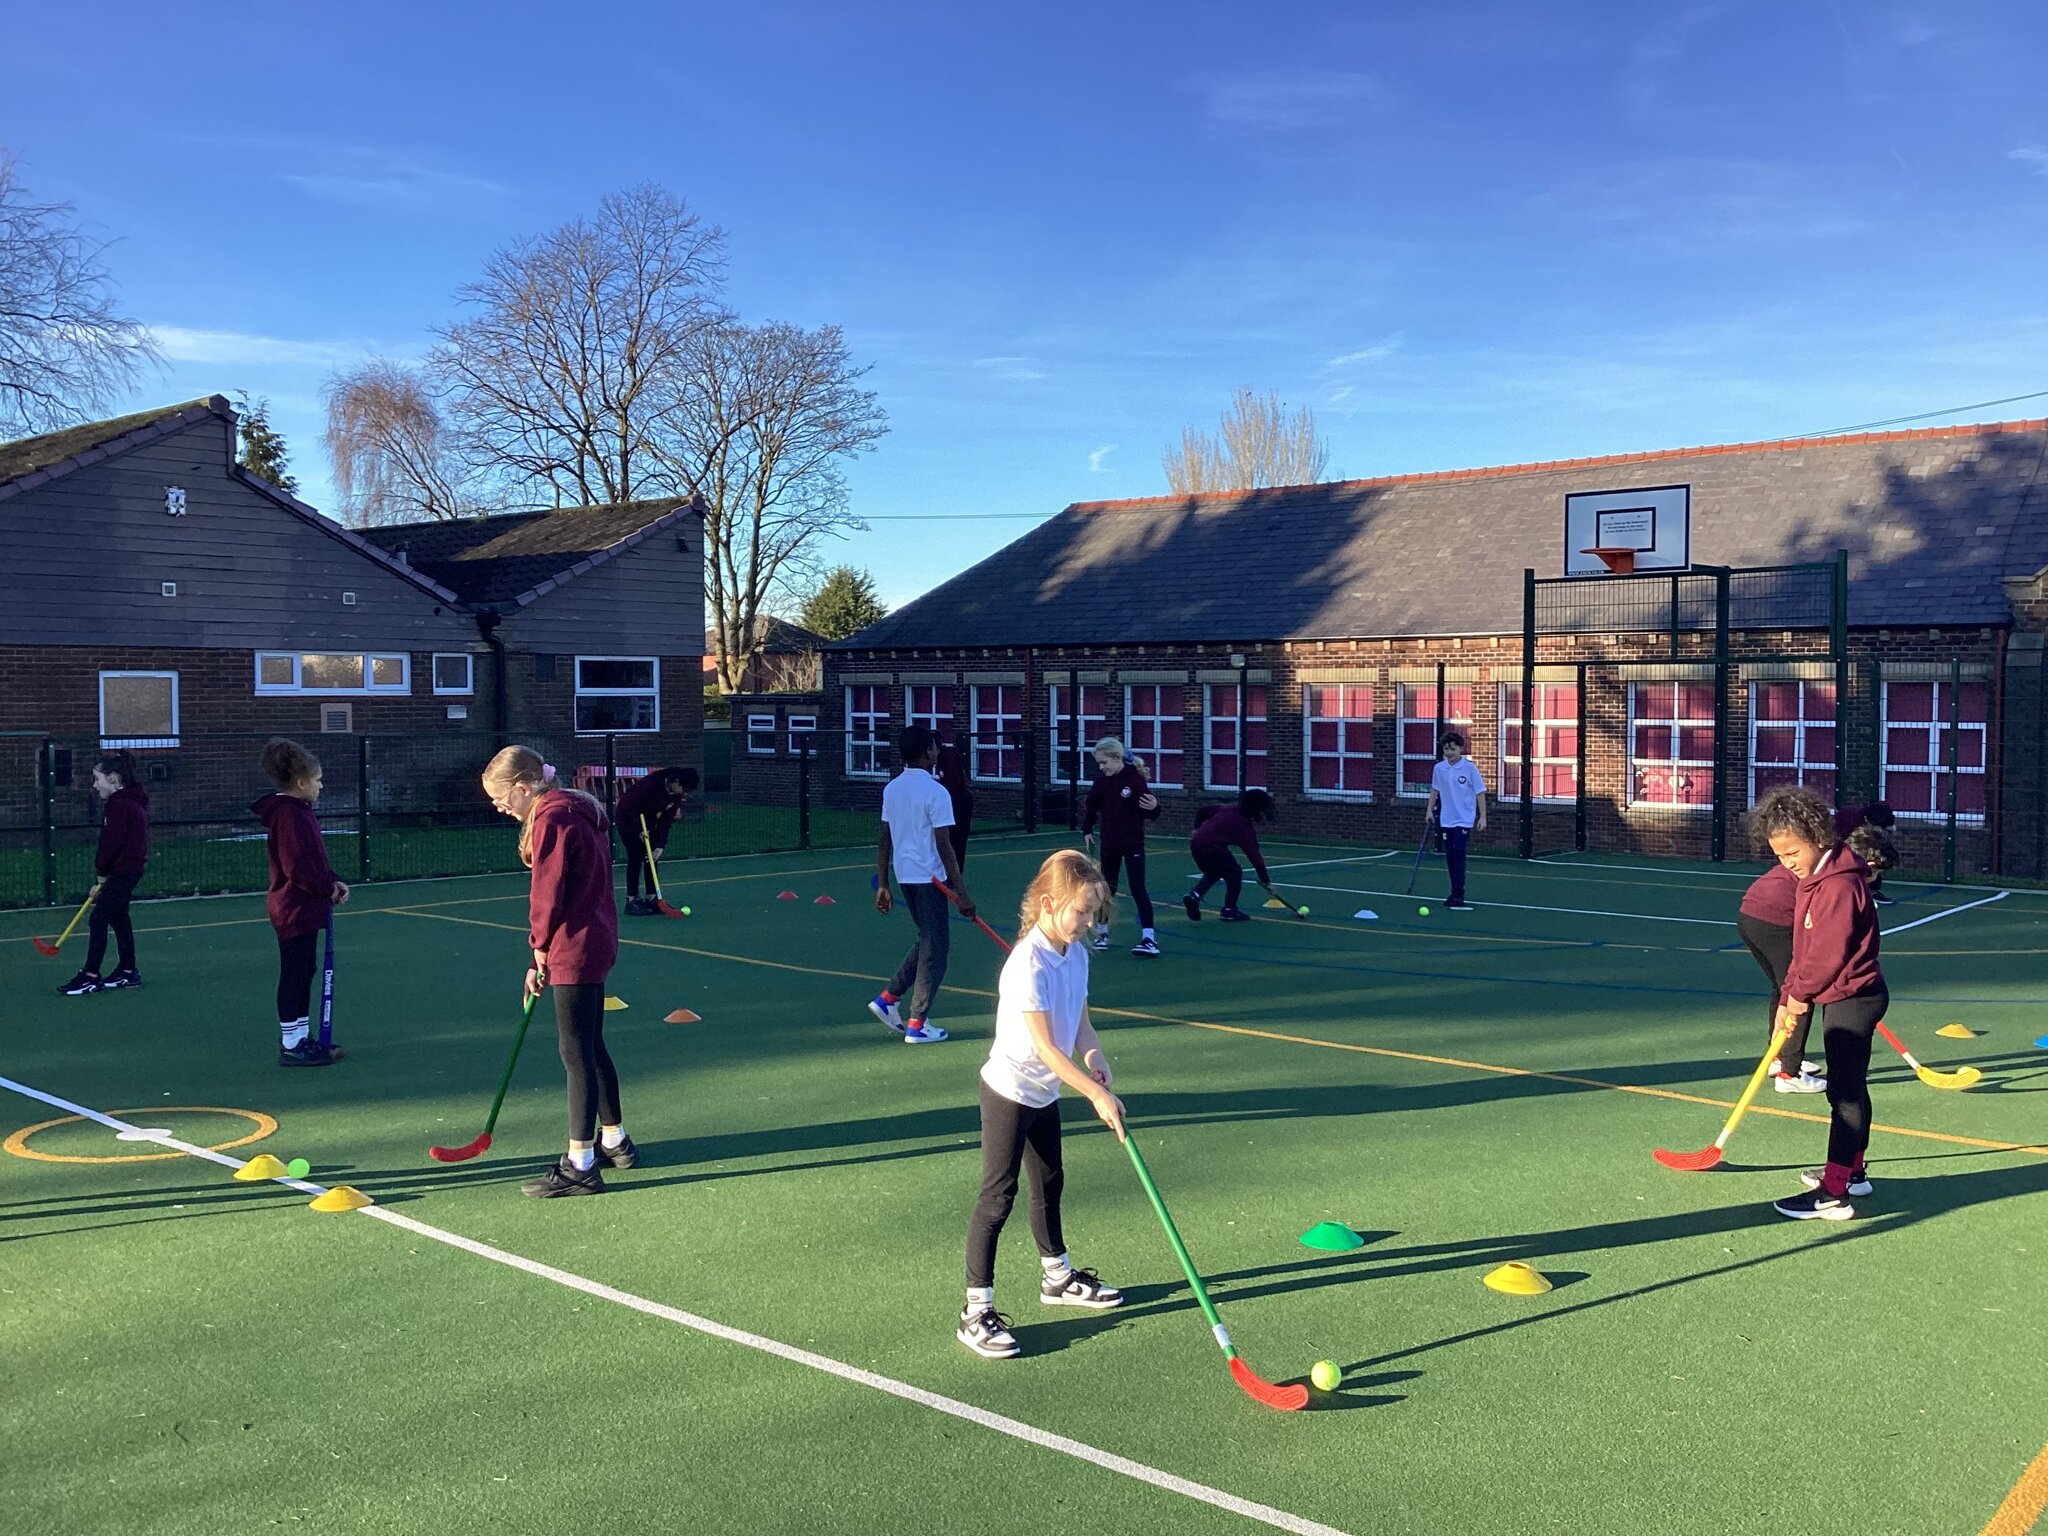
(47,764)
(1838,647)
(1528,817)
(803,792)
(363,806)
(611,787)
(1030,744)
(1955,731)
(1718,840)
(1579,800)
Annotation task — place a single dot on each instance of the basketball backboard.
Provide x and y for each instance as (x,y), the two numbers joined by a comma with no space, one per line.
(1648,529)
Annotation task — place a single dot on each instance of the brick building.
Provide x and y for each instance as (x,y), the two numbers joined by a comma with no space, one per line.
(1341,610)
(787,658)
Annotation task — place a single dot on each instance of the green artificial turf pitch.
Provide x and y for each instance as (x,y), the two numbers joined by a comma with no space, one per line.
(187,1353)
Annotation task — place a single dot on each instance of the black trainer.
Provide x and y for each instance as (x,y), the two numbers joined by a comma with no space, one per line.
(1234,915)
(309,1052)
(624,1155)
(84,984)
(987,1333)
(1817,1205)
(1079,1288)
(126,976)
(641,906)
(564,1180)
(1460,905)
(1193,904)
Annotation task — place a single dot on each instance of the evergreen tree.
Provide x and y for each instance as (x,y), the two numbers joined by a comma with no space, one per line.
(263,451)
(844,603)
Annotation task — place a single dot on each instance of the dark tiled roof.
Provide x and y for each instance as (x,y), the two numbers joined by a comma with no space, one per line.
(33,455)
(778,637)
(505,558)
(1931,519)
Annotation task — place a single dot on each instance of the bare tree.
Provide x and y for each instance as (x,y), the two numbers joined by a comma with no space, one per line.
(578,340)
(391,453)
(65,351)
(773,413)
(1260,443)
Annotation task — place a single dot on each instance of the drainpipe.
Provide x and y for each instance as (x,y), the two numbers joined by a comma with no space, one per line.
(487,622)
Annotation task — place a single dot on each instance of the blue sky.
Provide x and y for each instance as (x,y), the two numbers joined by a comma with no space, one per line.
(1464,234)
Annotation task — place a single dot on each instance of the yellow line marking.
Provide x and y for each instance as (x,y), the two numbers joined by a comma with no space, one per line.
(1328,1045)
(2023,1506)
(18,1142)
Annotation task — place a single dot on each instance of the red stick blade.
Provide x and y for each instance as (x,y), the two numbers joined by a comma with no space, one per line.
(461,1154)
(1689,1162)
(44,946)
(665,909)
(1286,1399)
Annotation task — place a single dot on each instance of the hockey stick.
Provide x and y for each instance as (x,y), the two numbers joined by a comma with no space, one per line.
(1415,873)
(327,988)
(464,1153)
(953,897)
(1962,1077)
(1285,1398)
(1707,1157)
(44,946)
(654,873)
(1292,910)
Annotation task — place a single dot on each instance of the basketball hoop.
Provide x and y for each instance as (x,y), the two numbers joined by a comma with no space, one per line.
(1619,562)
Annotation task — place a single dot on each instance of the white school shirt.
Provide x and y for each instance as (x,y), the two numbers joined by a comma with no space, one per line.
(1458,790)
(915,806)
(1037,978)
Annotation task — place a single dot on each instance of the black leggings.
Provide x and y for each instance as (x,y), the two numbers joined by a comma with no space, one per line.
(1845,1030)
(110,910)
(1771,944)
(1014,1135)
(1114,863)
(296,961)
(1217,864)
(593,1081)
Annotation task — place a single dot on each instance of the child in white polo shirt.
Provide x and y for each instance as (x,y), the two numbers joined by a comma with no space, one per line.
(1043,1038)
(916,811)
(1457,802)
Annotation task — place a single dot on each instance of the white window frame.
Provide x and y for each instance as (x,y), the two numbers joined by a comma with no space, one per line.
(875,743)
(1675,723)
(1006,741)
(468,661)
(762,727)
(1404,717)
(1937,766)
(369,689)
(1260,694)
(1154,755)
(1538,760)
(578,693)
(138,741)
(1799,764)
(1060,718)
(943,724)
(1345,724)
(799,726)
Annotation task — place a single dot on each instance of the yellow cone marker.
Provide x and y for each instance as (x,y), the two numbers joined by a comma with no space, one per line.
(1518,1279)
(260,1167)
(1957,1032)
(1276,903)
(614,1004)
(343,1197)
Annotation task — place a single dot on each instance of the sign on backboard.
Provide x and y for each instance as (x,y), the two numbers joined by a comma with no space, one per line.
(1652,524)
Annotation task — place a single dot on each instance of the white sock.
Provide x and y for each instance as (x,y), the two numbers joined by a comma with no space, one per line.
(582,1159)
(611,1135)
(1056,1269)
(980,1297)
(294,1033)
(1150,934)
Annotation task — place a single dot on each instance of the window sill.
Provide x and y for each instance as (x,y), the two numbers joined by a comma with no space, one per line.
(1341,796)
(1658,808)
(139,743)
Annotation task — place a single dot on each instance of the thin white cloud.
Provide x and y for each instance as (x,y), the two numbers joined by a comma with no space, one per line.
(1018,369)
(1274,100)
(196,344)
(1369,354)
(413,186)
(359,173)
(1097,456)
(2035,155)
(1339,396)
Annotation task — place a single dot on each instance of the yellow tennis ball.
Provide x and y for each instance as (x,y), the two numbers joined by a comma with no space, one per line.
(1302,910)
(686,911)
(1423,910)
(1325,1375)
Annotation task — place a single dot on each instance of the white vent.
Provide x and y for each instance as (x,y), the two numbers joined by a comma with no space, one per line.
(458,711)
(170,589)
(338,718)
(348,599)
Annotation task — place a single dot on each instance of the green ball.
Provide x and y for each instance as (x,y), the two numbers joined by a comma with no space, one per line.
(1423,910)
(686,911)
(1302,910)
(1325,1375)
(298,1167)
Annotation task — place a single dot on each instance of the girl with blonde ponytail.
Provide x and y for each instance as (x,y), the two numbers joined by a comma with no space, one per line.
(573,930)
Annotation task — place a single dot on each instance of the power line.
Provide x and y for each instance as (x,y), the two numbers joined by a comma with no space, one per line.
(1898,421)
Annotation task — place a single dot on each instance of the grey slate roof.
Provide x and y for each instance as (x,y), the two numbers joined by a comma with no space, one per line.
(1931,519)
(510,557)
(50,453)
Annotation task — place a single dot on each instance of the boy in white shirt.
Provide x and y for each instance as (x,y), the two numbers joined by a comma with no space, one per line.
(916,811)
(1457,803)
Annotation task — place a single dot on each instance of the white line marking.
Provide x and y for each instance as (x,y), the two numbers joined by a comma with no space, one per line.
(1363,858)
(1649,869)
(1518,906)
(1935,917)
(1016,1429)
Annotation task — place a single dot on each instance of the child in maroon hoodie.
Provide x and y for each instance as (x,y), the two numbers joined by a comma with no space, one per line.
(573,930)
(123,851)
(303,894)
(1217,829)
(655,801)
(1834,964)
(1124,802)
